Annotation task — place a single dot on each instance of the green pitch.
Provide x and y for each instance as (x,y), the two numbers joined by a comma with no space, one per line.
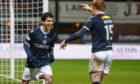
(76,72)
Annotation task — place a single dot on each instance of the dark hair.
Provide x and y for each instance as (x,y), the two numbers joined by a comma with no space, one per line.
(46,15)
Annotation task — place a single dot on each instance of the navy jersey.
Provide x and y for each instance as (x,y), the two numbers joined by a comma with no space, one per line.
(39,48)
(100,27)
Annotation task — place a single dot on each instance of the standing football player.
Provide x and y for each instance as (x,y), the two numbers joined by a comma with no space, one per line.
(100,25)
(39,46)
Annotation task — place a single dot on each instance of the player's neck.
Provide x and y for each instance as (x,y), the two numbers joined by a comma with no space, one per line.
(44,30)
(99,12)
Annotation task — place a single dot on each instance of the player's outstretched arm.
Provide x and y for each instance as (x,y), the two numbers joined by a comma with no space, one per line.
(63,45)
(86,7)
(76,35)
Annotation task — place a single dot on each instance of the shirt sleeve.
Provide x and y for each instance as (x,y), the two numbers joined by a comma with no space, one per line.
(76,35)
(26,44)
(89,23)
(51,49)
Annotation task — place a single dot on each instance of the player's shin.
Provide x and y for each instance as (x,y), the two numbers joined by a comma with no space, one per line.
(96,77)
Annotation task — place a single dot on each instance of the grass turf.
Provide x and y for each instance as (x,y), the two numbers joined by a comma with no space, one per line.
(76,72)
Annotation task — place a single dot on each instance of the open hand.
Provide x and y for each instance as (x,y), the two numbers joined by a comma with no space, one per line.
(63,44)
(86,7)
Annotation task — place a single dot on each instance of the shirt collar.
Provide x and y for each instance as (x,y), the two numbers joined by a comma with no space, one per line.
(43,30)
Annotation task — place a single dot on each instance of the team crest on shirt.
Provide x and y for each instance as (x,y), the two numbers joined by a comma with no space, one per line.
(44,42)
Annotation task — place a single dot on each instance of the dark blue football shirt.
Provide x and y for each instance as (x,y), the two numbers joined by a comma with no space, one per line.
(100,27)
(39,48)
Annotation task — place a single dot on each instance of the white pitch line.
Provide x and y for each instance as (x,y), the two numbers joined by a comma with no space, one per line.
(5,76)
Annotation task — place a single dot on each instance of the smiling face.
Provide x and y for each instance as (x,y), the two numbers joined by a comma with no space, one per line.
(48,23)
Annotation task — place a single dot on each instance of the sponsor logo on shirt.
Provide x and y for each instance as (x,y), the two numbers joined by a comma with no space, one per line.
(41,46)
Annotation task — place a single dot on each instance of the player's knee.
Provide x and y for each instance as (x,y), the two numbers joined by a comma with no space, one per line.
(96,83)
(48,78)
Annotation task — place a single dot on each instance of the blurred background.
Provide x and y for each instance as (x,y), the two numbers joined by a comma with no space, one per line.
(19,17)
(70,18)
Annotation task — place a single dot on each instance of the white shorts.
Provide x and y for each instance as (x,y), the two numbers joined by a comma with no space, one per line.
(33,74)
(101,61)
